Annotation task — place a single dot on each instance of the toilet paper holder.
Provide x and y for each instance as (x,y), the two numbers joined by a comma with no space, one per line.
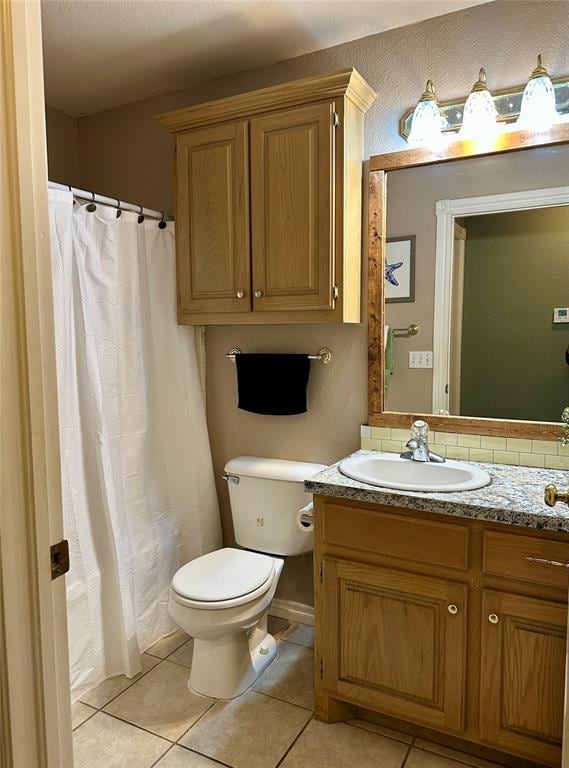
(306,515)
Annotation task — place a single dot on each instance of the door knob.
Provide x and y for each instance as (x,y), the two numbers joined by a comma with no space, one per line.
(551,496)
(258,294)
(240,294)
(452,609)
(493,618)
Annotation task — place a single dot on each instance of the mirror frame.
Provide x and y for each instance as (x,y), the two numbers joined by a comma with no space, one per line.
(379,165)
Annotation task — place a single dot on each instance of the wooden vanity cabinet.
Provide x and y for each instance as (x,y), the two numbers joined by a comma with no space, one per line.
(397,642)
(522,674)
(442,622)
(268,203)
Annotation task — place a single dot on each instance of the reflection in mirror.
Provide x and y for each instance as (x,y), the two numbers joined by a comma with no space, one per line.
(479,252)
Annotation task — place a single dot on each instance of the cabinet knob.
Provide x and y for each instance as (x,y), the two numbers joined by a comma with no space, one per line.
(240,294)
(551,496)
(493,618)
(258,294)
(452,609)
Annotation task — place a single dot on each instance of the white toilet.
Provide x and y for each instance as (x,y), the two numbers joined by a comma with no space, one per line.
(222,599)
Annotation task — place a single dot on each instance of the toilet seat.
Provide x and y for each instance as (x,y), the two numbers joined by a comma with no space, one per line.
(223,579)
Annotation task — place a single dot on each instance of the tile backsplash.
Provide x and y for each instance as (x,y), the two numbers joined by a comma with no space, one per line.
(488,448)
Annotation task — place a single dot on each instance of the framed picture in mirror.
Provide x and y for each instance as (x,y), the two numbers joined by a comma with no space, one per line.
(400,269)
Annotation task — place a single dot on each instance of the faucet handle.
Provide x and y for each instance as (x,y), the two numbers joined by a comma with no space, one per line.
(420,429)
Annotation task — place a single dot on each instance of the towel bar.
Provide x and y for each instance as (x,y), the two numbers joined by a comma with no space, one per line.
(324,355)
(411,330)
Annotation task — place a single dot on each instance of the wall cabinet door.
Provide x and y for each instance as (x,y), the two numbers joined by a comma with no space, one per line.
(523,675)
(212,226)
(292,194)
(396,642)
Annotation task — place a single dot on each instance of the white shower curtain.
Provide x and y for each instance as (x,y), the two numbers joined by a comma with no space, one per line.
(138,488)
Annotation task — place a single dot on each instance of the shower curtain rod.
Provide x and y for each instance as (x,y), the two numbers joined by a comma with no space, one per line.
(114,202)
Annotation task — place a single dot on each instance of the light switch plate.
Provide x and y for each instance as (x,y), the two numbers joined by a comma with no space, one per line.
(420,359)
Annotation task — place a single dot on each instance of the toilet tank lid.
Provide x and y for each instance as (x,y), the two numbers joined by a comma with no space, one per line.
(273,469)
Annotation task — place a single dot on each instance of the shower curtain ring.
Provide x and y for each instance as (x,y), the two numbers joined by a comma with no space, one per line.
(119,209)
(140,214)
(162,223)
(92,207)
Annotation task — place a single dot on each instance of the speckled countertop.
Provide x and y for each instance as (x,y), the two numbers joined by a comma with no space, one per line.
(514,496)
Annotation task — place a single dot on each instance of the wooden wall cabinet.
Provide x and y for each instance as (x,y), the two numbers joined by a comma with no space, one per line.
(268,203)
(444,623)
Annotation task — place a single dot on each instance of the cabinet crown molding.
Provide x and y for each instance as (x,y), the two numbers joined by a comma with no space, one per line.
(346,83)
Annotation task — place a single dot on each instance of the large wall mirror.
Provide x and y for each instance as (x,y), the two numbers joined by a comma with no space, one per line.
(469,287)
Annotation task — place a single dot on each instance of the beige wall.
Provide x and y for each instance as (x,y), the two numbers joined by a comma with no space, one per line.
(123,152)
(411,198)
(62,147)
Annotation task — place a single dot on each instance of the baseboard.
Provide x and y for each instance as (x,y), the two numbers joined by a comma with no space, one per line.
(288,609)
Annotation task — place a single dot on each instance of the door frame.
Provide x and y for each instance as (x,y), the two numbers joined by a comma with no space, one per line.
(35,711)
(446,213)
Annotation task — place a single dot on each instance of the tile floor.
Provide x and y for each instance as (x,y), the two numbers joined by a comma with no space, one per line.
(153,720)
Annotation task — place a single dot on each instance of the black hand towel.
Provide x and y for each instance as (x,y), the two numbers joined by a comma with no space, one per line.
(274,385)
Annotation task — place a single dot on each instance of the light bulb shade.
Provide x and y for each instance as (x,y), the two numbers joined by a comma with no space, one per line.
(426,122)
(480,113)
(538,111)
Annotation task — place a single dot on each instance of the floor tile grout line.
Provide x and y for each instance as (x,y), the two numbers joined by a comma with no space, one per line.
(177,648)
(170,748)
(294,741)
(133,681)
(409,750)
(284,701)
(213,703)
(458,757)
(87,718)
(385,736)
(202,754)
(140,727)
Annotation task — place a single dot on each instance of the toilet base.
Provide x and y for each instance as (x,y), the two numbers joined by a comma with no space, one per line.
(226,667)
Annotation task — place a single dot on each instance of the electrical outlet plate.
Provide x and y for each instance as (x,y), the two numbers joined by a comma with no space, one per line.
(420,359)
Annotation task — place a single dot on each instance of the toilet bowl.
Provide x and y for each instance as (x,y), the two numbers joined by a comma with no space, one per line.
(232,646)
(222,599)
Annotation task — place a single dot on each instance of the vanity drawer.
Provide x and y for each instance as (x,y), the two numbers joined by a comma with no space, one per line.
(409,538)
(506,554)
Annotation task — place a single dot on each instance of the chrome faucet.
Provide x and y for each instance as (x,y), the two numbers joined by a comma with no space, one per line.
(419,444)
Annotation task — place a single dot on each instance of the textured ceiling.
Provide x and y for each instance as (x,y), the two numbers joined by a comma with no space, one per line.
(103,53)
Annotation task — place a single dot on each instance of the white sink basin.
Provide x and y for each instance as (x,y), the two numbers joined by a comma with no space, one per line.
(391,471)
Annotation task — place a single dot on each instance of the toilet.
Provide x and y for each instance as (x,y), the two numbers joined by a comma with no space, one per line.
(222,599)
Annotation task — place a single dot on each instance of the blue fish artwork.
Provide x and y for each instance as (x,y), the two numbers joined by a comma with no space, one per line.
(389,270)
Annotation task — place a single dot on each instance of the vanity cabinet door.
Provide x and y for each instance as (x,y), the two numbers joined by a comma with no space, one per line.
(212,220)
(292,208)
(396,642)
(523,675)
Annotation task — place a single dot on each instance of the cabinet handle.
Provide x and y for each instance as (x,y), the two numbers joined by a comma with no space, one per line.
(543,561)
(452,609)
(240,294)
(258,294)
(493,618)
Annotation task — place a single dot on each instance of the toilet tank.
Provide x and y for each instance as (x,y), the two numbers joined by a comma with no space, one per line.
(265,496)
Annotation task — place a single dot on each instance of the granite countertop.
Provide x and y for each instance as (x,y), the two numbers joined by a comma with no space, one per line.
(514,496)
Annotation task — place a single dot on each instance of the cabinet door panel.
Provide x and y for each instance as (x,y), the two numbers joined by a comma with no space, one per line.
(292,193)
(523,675)
(399,649)
(213,220)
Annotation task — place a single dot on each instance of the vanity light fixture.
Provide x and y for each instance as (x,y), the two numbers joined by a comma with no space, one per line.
(546,102)
(479,118)
(426,121)
(538,111)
